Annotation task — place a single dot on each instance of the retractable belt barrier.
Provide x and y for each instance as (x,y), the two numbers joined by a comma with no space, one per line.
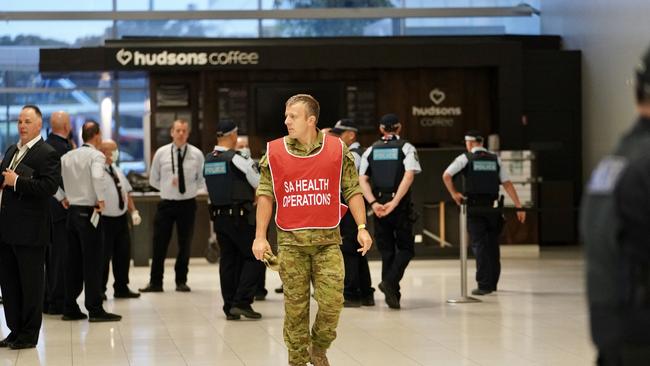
(463,299)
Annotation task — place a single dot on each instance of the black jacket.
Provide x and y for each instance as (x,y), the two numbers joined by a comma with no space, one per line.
(62,146)
(25,214)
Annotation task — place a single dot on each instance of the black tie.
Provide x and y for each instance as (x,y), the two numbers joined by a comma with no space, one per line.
(116,180)
(181,175)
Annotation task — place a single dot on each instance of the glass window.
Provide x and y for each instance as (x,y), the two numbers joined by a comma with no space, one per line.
(67,34)
(187,4)
(47,5)
(133,109)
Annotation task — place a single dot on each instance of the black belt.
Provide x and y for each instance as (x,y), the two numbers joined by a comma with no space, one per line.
(381,194)
(81,208)
(229,210)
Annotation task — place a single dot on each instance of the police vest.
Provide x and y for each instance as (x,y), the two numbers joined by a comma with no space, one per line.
(227,185)
(482,174)
(386,162)
(307,188)
(614,314)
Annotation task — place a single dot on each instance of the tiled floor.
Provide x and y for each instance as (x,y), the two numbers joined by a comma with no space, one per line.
(538,317)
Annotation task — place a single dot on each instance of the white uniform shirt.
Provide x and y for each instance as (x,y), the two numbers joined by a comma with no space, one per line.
(461,162)
(164,172)
(112,202)
(18,156)
(246,165)
(82,170)
(411,162)
(357,157)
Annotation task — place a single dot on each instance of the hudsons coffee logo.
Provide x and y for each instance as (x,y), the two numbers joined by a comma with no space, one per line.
(167,58)
(437,96)
(436,115)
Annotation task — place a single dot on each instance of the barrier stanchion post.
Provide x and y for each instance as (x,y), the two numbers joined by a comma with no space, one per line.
(463,260)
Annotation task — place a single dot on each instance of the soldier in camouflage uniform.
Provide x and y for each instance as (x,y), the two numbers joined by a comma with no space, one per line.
(308,251)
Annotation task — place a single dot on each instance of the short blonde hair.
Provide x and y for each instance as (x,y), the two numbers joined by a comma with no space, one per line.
(311,104)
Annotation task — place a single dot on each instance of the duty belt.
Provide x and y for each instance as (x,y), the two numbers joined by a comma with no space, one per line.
(230,211)
(381,194)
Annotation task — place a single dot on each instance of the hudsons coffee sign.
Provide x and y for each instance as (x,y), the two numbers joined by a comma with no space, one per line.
(140,58)
(437,115)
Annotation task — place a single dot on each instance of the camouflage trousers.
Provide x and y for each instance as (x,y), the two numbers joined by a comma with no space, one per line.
(300,266)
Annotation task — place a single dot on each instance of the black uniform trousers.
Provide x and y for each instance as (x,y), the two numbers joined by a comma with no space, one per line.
(357,283)
(117,248)
(395,241)
(169,212)
(84,261)
(22,278)
(239,271)
(54,265)
(484,226)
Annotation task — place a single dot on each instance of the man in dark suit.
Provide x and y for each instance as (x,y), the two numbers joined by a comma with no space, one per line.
(54,268)
(30,172)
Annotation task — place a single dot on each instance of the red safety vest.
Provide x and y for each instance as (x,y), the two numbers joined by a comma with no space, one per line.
(307,188)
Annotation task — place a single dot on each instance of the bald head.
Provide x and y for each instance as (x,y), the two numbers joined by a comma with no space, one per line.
(107,147)
(60,122)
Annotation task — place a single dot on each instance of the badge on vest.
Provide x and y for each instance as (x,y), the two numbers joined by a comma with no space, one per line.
(484,166)
(384,154)
(606,175)
(215,168)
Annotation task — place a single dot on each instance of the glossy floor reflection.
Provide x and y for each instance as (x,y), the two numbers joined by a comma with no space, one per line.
(538,317)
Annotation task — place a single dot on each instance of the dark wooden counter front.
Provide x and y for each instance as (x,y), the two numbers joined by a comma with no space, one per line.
(142,235)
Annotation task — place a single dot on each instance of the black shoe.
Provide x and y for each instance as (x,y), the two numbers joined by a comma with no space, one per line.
(480,292)
(230,316)
(352,303)
(368,300)
(261,296)
(181,287)
(104,317)
(391,296)
(152,288)
(247,312)
(279,290)
(74,316)
(21,345)
(6,342)
(128,294)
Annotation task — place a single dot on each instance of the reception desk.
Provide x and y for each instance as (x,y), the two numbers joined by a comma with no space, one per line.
(142,235)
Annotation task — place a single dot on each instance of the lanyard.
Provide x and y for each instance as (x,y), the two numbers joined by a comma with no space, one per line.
(16,160)
(181,160)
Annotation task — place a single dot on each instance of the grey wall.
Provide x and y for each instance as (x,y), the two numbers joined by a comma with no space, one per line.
(612,35)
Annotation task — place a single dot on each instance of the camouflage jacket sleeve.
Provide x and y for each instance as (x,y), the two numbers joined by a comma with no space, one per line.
(266,185)
(349,176)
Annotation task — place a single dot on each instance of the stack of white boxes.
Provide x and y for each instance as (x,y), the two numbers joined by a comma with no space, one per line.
(519,164)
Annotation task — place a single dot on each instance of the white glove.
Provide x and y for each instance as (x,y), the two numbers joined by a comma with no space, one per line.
(135,217)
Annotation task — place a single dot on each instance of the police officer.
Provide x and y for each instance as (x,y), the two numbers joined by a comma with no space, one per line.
(83,174)
(54,273)
(614,224)
(387,171)
(176,173)
(115,224)
(231,179)
(358,285)
(305,172)
(483,174)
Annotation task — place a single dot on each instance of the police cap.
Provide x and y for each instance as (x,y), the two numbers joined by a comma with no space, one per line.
(342,125)
(388,120)
(473,135)
(225,127)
